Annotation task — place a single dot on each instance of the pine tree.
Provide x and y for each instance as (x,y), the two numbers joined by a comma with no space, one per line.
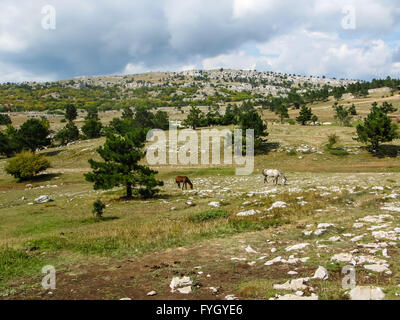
(70,112)
(377,128)
(33,135)
(121,155)
(194,118)
(305,115)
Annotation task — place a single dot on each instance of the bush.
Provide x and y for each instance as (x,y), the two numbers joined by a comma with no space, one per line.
(338,152)
(68,134)
(332,140)
(98,207)
(26,165)
(209,215)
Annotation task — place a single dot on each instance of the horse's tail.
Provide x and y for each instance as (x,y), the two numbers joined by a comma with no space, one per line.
(189,182)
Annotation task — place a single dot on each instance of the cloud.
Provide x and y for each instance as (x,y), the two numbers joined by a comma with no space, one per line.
(122,36)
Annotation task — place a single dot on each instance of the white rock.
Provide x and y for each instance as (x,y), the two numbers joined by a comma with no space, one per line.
(278,204)
(152,293)
(342,257)
(250,250)
(297,247)
(325,225)
(231,297)
(296,297)
(358,225)
(271,262)
(320,232)
(292,273)
(321,273)
(366,293)
(214,204)
(358,238)
(251,212)
(292,285)
(378,268)
(43,199)
(182,285)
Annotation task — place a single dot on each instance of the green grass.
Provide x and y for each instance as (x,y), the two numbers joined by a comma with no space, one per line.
(209,215)
(14,263)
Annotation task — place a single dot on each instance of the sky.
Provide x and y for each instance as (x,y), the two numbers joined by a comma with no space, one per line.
(45,40)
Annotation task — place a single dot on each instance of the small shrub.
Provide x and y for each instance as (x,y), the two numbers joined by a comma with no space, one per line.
(291,153)
(98,207)
(338,152)
(209,215)
(332,140)
(26,165)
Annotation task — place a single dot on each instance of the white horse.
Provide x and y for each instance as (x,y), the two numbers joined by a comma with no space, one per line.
(275,174)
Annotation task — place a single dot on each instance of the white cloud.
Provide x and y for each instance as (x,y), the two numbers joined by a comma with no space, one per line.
(302,36)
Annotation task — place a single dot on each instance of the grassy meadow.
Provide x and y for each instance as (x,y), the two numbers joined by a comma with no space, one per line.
(141,244)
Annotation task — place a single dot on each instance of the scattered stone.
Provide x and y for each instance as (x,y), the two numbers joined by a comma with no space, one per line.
(278,204)
(358,238)
(296,297)
(152,293)
(125,299)
(43,199)
(182,285)
(320,232)
(342,257)
(297,247)
(251,212)
(231,297)
(214,204)
(250,250)
(273,261)
(378,268)
(213,290)
(325,225)
(292,273)
(292,285)
(321,273)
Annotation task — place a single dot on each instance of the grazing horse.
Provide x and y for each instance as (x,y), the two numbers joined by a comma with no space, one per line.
(275,174)
(185,181)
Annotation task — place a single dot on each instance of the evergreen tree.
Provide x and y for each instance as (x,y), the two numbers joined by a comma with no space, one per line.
(250,119)
(194,118)
(70,112)
(161,120)
(127,113)
(342,114)
(304,116)
(377,128)
(282,111)
(68,134)
(5,120)
(121,155)
(33,135)
(92,128)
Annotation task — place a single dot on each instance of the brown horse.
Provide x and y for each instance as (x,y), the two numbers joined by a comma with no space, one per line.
(185,181)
